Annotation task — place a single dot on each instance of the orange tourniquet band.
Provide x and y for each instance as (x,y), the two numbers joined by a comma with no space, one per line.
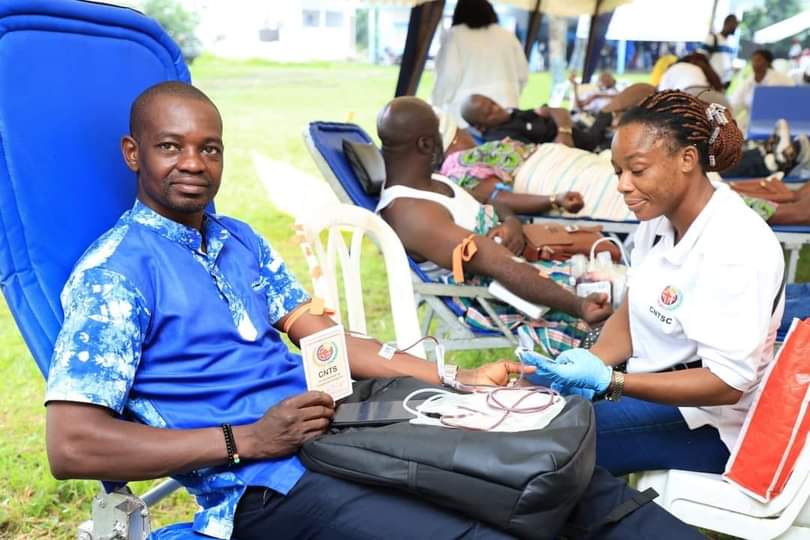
(314,307)
(462,253)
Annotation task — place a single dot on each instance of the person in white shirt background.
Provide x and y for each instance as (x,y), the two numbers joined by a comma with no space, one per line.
(721,49)
(698,324)
(595,100)
(478,57)
(762,74)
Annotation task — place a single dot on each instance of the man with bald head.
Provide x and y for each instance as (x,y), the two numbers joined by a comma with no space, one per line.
(173,318)
(433,217)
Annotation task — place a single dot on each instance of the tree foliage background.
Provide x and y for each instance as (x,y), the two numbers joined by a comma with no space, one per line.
(179,23)
(772,12)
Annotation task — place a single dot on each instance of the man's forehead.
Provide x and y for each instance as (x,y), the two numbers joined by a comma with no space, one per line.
(166,109)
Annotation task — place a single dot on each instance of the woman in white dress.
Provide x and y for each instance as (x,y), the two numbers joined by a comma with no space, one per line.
(478,57)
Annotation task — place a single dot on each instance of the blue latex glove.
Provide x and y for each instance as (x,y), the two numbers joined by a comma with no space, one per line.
(573,368)
(584,393)
(562,389)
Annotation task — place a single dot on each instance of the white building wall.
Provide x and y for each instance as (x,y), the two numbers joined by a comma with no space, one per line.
(284,31)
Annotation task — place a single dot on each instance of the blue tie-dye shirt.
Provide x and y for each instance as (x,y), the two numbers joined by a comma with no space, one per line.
(166,333)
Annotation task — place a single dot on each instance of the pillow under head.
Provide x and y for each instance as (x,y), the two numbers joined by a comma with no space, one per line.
(367,163)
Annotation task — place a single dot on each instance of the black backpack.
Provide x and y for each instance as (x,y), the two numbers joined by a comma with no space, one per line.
(524,483)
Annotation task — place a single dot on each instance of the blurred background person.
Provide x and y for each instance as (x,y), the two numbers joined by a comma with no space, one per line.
(762,74)
(721,49)
(594,100)
(478,57)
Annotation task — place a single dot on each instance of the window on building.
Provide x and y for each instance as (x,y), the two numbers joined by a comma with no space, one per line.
(312,18)
(268,34)
(334,19)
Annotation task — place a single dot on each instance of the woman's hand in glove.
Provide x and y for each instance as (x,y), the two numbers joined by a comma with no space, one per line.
(573,368)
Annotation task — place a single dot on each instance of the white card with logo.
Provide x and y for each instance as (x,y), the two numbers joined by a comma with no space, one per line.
(326,362)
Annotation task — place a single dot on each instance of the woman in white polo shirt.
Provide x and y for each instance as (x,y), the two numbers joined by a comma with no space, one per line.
(697,327)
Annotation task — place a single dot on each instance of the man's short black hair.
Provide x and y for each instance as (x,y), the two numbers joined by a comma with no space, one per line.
(166,88)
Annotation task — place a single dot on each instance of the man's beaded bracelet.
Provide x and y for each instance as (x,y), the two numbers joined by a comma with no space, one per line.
(230,445)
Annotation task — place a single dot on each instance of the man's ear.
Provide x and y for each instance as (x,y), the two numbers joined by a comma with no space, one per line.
(425,145)
(129,149)
(690,159)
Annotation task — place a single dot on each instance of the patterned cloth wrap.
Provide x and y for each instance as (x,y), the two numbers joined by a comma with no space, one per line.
(765,209)
(554,333)
(500,159)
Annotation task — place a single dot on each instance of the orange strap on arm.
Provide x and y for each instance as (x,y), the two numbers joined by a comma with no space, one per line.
(314,307)
(462,253)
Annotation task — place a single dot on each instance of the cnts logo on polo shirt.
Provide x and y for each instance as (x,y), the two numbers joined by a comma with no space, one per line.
(670,298)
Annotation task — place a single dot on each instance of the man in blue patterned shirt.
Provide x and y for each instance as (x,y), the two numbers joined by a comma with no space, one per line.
(173,319)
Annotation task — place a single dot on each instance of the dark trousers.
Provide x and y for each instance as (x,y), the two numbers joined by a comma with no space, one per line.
(751,165)
(323,507)
(635,435)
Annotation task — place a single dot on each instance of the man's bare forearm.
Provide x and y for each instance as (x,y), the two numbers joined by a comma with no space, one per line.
(85,441)
(366,362)
(525,281)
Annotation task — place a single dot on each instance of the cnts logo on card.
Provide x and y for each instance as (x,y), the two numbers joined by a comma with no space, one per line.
(326,364)
(326,352)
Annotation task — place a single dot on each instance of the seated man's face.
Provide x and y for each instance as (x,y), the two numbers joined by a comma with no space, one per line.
(484,112)
(178,156)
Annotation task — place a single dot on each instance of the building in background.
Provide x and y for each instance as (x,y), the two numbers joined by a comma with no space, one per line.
(288,31)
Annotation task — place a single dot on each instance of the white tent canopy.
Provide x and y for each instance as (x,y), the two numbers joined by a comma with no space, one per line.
(784,29)
(562,8)
(654,20)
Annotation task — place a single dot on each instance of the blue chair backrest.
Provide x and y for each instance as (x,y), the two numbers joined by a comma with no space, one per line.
(328,138)
(771,103)
(69,71)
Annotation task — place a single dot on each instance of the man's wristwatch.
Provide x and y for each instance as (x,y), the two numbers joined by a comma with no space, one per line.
(555,205)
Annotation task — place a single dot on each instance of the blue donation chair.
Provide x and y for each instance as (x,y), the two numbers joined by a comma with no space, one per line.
(69,71)
(771,103)
(324,140)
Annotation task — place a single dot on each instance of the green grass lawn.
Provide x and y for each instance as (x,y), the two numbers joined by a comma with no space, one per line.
(265,109)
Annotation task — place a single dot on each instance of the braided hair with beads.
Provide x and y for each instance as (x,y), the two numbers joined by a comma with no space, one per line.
(686,120)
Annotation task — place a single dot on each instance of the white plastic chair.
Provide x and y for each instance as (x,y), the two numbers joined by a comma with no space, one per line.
(323,265)
(708,501)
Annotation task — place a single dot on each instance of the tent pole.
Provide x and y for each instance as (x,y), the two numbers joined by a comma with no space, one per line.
(425,18)
(590,55)
(535,18)
(714,14)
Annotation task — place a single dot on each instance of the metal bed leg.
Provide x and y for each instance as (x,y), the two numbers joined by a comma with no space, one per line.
(121,515)
(793,261)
